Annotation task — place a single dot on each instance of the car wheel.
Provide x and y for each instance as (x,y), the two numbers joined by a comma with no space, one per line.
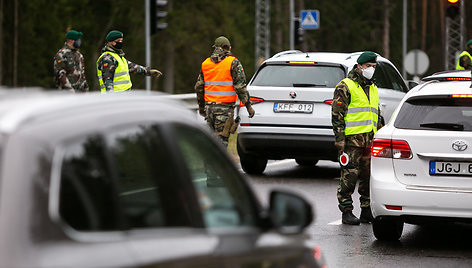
(252,164)
(305,162)
(387,229)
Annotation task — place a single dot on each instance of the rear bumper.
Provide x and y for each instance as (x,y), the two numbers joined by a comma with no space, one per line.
(281,146)
(417,205)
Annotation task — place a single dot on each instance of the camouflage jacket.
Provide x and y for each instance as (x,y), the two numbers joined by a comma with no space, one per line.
(341,100)
(69,71)
(107,64)
(237,73)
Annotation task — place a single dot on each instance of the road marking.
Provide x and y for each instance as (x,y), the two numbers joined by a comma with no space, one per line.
(280,162)
(338,222)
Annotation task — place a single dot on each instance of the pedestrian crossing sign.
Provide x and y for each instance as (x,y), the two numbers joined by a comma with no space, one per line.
(310,19)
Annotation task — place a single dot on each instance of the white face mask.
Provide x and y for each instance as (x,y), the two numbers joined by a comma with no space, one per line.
(368,72)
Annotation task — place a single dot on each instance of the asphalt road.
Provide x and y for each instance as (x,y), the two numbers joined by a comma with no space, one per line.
(448,245)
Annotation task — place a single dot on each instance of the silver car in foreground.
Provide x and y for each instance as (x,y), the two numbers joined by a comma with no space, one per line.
(120,180)
(292,94)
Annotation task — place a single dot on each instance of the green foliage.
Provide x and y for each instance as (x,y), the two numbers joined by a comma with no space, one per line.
(346,26)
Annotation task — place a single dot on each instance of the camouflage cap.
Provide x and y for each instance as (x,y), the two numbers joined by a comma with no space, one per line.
(74,35)
(367,56)
(469,43)
(113,35)
(221,41)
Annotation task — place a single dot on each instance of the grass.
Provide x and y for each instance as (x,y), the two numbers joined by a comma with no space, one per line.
(232,146)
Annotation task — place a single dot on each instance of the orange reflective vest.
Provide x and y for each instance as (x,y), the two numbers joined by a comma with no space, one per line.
(218,81)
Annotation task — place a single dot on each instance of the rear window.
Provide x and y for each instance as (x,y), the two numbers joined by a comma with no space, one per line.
(443,113)
(301,76)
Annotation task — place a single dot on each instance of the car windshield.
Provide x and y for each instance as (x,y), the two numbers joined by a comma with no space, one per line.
(444,113)
(298,76)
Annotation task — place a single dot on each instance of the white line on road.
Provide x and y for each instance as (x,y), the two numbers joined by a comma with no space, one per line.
(338,222)
(280,162)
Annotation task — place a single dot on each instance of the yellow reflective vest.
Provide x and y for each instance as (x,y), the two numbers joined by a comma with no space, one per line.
(458,66)
(121,78)
(362,114)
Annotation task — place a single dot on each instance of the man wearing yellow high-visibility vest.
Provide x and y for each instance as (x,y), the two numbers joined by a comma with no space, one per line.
(113,69)
(465,58)
(355,118)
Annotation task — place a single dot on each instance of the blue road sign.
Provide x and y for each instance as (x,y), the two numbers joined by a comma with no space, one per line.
(310,19)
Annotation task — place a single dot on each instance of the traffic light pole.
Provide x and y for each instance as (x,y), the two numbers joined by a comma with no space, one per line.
(147,11)
(455,32)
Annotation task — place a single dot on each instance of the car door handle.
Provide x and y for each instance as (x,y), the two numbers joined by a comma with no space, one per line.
(383,105)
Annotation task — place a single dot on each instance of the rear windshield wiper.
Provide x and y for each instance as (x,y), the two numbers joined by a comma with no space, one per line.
(449,126)
(307,85)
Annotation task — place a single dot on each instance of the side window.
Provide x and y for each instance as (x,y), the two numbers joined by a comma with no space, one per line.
(121,181)
(87,200)
(148,191)
(223,198)
(381,81)
(396,80)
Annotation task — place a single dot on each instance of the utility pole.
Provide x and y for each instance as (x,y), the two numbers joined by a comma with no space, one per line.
(292,25)
(262,49)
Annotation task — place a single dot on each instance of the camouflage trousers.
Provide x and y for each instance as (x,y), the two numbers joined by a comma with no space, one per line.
(216,116)
(358,169)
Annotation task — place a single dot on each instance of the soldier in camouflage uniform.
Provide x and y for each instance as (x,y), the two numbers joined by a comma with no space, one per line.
(108,63)
(69,72)
(218,109)
(357,146)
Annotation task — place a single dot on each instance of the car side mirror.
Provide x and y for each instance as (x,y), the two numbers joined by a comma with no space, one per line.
(289,213)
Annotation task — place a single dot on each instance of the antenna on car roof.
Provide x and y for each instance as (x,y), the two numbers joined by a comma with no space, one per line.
(307,56)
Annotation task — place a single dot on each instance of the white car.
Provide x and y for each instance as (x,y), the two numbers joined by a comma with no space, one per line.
(292,94)
(421,169)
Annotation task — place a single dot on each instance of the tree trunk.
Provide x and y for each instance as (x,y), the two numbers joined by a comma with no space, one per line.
(278,26)
(169,61)
(423,24)
(1,42)
(15,44)
(386,33)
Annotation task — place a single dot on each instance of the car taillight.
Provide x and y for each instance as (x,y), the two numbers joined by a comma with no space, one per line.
(301,62)
(458,79)
(253,100)
(328,101)
(396,149)
(462,96)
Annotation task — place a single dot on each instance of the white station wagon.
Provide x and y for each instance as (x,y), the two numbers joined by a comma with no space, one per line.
(292,94)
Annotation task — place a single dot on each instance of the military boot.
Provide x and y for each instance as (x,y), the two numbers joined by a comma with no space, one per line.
(349,218)
(366,215)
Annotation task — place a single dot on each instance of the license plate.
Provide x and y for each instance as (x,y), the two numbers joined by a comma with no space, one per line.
(450,168)
(282,107)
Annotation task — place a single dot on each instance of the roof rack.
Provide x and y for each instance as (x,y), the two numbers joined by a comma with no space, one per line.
(286,53)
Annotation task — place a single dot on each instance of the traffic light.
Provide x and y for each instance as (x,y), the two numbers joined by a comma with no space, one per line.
(298,32)
(453,8)
(157,15)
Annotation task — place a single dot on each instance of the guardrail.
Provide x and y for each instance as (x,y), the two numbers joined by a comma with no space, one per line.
(189,98)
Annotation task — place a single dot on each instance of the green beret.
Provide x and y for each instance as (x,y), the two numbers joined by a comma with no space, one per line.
(469,43)
(367,56)
(74,35)
(113,35)
(222,41)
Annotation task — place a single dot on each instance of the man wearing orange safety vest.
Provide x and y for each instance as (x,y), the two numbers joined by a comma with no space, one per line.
(220,83)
